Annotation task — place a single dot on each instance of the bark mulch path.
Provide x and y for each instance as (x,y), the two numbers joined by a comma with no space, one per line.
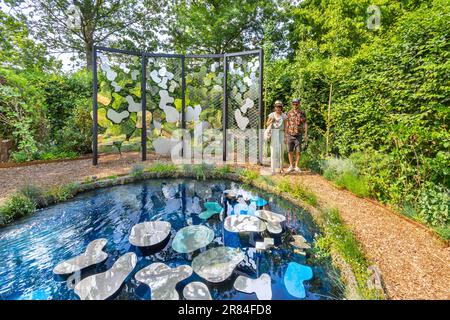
(56,173)
(413,263)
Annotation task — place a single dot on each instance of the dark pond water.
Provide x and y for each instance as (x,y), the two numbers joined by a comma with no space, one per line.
(30,248)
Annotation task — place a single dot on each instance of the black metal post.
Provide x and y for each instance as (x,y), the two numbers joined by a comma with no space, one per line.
(225,107)
(183,101)
(94,108)
(260,107)
(144,107)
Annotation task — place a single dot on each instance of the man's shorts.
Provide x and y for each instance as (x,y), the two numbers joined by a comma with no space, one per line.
(294,143)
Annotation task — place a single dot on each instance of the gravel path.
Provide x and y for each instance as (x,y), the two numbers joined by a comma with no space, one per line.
(414,264)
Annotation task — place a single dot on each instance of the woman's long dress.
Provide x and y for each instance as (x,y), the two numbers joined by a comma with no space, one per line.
(277,142)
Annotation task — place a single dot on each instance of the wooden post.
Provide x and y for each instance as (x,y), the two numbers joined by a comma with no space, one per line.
(328,121)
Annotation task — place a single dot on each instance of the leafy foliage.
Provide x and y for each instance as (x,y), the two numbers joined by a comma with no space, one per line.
(75,26)
(296,190)
(389,111)
(16,207)
(161,167)
(218,26)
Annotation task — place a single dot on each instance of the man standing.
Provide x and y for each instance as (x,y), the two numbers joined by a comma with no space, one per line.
(296,133)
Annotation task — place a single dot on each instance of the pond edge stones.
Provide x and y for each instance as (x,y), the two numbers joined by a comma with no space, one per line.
(101,286)
(191,238)
(217,264)
(163,279)
(149,233)
(93,254)
(196,290)
(260,286)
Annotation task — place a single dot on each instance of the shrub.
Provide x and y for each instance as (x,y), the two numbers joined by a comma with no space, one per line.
(137,170)
(160,167)
(198,170)
(356,184)
(222,170)
(433,204)
(76,135)
(19,156)
(35,194)
(56,153)
(346,175)
(335,167)
(248,175)
(312,157)
(16,207)
(62,193)
(297,191)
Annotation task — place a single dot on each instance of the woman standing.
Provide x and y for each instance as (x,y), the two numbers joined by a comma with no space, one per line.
(275,124)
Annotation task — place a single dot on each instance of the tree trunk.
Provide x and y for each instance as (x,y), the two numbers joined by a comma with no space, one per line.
(89,62)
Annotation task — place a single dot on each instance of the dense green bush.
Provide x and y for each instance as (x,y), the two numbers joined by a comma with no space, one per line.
(346,175)
(16,207)
(433,204)
(20,113)
(137,170)
(296,190)
(390,97)
(161,167)
(35,194)
(47,116)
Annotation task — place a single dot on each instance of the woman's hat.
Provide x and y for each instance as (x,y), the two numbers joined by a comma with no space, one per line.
(278,103)
(296,100)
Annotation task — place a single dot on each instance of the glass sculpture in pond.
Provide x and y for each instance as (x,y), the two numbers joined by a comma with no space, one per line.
(273,220)
(259,202)
(300,242)
(244,223)
(162,279)
(196,291)
(293,279)
(261,286)
(191,238)
(103,285)
(119,102)
(109,219)
(217,264)
(212,208)
(149,233)
(94,254)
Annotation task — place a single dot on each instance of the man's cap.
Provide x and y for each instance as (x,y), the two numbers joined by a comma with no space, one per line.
(278,103)
(296,100)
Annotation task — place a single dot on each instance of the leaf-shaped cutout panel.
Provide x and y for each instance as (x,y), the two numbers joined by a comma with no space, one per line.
(104,98)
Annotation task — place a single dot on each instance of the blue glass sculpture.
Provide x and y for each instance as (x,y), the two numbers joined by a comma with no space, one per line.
(212,208)
(293,279)
(260,202)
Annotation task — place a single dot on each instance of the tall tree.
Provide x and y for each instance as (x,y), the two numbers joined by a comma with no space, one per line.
(17,50)
(75,26)
(216,26)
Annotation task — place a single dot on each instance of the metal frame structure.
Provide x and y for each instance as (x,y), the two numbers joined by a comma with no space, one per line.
(144,56)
